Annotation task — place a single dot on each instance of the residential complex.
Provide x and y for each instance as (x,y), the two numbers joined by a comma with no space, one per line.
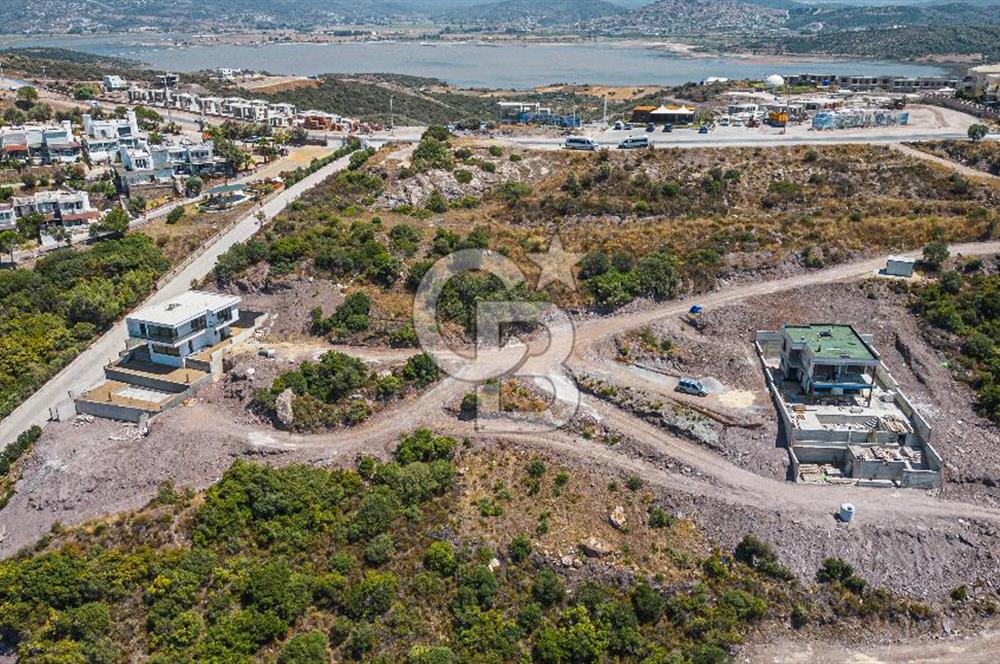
(40,143)
(237,108)
(148,164)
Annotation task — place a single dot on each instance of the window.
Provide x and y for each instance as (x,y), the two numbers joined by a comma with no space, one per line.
(166,350)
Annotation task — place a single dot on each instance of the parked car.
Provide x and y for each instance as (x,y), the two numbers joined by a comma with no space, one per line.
(650,126)
(628,126)
(580,143)
(691,386)
(667,128)
(619,125)
(633,142)
(703,129)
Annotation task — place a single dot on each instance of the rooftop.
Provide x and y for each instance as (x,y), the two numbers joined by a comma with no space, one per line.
(832,342)
(184,307)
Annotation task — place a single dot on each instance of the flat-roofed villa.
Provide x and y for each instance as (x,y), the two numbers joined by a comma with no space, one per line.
(184,325)
(828,360)
(173,349)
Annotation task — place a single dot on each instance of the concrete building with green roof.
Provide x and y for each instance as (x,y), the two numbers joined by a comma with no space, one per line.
(828,360)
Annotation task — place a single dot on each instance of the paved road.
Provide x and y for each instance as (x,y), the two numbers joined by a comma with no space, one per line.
(88,368)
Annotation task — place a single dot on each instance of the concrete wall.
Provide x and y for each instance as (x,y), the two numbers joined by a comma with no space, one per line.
(920,425)
(110,411)
(144,380)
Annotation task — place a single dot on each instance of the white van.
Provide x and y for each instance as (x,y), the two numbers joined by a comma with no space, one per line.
(633,142)
(580,143)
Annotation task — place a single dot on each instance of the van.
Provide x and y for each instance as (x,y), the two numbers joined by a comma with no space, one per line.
(619,125)
(633,142)
(580,143)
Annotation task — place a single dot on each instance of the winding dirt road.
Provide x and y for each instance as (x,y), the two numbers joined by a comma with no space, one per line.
(741,486)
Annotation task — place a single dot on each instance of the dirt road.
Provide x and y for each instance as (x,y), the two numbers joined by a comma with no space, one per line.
(967,171)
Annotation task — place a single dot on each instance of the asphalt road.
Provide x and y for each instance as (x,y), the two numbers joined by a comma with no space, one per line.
(88,368)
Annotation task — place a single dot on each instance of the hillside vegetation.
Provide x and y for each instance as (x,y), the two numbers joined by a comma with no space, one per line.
(415,100)
(966,306)
(50,312)
(654,224)
(387,563)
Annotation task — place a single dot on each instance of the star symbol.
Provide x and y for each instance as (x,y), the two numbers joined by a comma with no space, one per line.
(557,264)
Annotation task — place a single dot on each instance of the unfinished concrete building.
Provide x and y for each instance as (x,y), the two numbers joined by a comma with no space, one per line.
(844,416)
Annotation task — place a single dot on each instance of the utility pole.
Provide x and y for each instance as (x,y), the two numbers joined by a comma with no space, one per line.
(392,117)
(605,110)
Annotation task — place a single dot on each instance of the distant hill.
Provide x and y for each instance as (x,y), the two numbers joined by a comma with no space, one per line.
(855,18)
(893,43)
(553,12)
(676,17)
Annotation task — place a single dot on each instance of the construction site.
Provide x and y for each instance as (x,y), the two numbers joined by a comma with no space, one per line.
(844,417)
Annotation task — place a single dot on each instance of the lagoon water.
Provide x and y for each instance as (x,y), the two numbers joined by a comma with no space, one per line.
(467,64)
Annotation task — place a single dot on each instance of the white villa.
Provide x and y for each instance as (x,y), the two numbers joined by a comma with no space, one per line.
(183,326)
(103,138)
(65,207)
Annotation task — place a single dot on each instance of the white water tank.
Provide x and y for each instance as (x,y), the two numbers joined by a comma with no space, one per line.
(775,81)
(846,512)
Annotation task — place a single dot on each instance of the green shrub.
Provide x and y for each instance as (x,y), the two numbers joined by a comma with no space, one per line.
(175,215)
(647,603)
(430,655)
(519,549)
(308,648)
(659,517)
(548,588)
(423,445)
(380,550)
(440,558)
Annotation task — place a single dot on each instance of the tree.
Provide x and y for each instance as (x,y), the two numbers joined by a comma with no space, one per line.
(548,589)
(8,242)
(84,92)
(977,132)
(193,185)
(27,95)
(40,113)
(440,558)
(30,225)
(647,602)
(14,116)
(421,369)
(60,234)
(935,254)
(115,222)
